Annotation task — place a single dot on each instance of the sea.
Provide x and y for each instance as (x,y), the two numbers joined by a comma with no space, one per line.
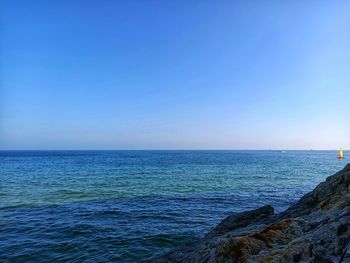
(126,206)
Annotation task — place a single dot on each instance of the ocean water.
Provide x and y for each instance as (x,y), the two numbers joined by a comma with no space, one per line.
(125,206)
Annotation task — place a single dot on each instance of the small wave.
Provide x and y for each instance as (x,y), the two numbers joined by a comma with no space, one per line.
(69,192)
(19,205)
(170,239)
(109,213)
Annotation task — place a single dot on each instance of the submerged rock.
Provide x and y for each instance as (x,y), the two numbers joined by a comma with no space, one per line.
(315,229)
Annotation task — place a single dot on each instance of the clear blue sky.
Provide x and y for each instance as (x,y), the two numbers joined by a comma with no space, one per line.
(174,74)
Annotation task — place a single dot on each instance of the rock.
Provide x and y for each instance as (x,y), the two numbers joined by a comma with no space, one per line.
(346,255)
(315,229)
(239,220)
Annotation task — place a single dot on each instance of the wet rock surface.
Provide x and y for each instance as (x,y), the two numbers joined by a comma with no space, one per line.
(315,229)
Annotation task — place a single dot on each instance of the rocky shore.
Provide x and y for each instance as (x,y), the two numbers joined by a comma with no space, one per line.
(315,229)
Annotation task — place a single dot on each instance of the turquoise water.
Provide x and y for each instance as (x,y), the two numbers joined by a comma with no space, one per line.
(124,206)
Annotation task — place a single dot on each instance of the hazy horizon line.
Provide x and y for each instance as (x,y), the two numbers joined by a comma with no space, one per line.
(174,149)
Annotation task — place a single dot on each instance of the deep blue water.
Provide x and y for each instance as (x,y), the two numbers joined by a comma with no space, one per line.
(123,206)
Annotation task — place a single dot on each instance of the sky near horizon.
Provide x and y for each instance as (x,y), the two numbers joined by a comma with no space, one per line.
(174,74)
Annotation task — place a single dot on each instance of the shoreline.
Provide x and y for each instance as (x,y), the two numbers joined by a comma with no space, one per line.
(314,229)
